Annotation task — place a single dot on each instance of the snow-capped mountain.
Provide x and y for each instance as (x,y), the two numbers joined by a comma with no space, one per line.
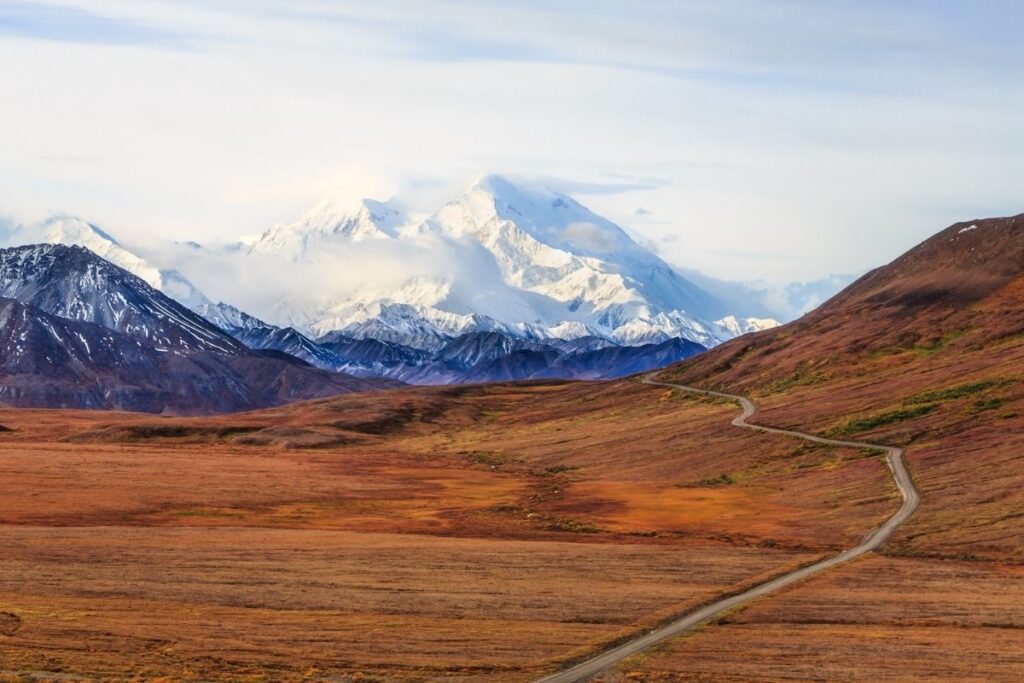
(366,219)
(75,283)
(78,331)
(501,279)
(229,318)
(472,357)
(547,242)
(523,259)
(72,231)
(259,335)
(740,326)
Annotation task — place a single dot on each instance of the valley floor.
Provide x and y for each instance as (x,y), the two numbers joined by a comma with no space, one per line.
(472,533)
(211,603)
(877,619)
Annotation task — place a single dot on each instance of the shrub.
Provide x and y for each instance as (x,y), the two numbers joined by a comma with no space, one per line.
(869,422)
(960,390)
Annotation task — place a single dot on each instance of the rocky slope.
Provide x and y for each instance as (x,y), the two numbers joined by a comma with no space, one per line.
(78,331)
(75,283)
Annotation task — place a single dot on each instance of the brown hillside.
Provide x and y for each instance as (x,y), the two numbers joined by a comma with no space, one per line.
(927,352)
(961,290)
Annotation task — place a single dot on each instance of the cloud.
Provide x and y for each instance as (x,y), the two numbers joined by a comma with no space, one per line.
(258,282)
(754,254)
(593,188)
(840,132)
(10,231)
(41,21)
(428,269)
(590,237)
(66,159)
(446,32)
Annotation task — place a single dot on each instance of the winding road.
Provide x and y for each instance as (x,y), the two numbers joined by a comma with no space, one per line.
(874,540)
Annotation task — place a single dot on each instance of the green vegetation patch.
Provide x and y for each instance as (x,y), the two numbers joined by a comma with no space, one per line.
(491,458)
(805,447)
(868,422)
(982,405)
(706,399)
(800,378)
(960,390)
(572,526)
(723,479)
(925,348)
(937,344)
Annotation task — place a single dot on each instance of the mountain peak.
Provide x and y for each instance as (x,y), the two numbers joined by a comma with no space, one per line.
(522,196)
(966,262)
(73,282)
(507,186)
(331,220)
(73,231)
(547,215)
(64,228)
(526,255)
(340,212)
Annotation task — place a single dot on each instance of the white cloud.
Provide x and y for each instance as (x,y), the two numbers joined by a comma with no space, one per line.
(589,237)
(837,133)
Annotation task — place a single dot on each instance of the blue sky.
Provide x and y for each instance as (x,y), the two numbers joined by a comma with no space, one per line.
(782,140)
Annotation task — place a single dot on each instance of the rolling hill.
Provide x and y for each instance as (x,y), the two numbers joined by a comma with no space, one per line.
(925,352)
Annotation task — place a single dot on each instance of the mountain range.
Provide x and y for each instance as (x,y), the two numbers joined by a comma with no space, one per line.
(479,356)
(503,269)
(518,258)
(507,281)
(78,331)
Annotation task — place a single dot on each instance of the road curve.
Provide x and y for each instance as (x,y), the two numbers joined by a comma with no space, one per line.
(873,541)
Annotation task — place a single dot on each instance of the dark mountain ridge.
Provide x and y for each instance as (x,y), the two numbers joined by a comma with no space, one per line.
(75,283)
(79,332)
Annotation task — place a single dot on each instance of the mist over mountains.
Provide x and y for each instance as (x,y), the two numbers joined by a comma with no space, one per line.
(78,331)
(506,280)
(782,302)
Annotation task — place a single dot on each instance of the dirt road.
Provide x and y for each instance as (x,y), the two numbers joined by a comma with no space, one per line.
(873,541)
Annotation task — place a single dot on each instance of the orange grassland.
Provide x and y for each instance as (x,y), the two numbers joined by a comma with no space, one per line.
(944,600)
(474,533)
(927,353)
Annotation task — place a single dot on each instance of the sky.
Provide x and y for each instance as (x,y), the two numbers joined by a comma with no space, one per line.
(781,140)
